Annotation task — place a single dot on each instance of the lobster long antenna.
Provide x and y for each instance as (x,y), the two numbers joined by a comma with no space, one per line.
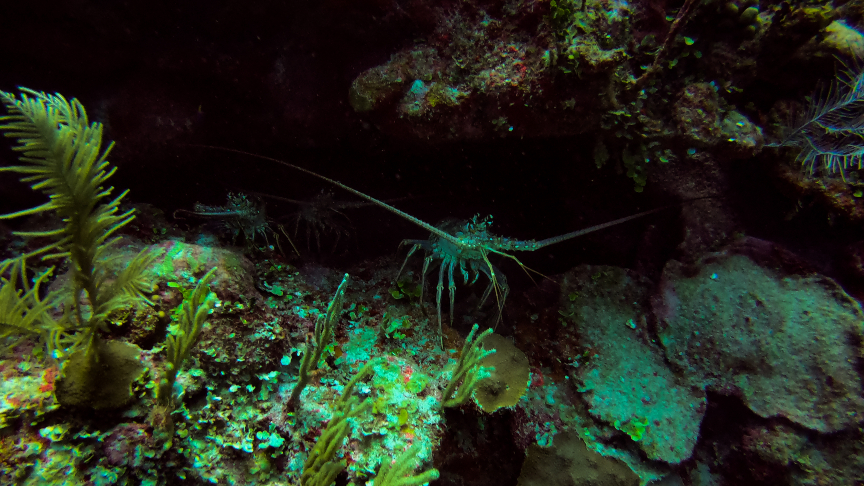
(426,226)
(574,234)
(302,203)
(278,198)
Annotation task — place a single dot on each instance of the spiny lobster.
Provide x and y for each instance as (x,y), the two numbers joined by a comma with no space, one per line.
(318,217)
(459,244)
(241,216)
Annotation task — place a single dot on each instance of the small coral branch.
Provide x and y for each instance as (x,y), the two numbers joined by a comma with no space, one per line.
(315,346)
(320,468)
(468,371)
(195,311)
(395,474)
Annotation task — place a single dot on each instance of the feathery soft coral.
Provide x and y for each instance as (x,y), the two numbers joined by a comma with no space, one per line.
(830,134)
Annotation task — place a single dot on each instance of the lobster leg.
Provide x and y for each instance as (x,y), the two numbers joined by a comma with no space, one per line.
(416,245)
(338,235)
(451,288)
(474,268)
(492,284)
(506,289)
(462,269)
(410,252)
(496,280)
(438,290)
(426,262)
(486,294)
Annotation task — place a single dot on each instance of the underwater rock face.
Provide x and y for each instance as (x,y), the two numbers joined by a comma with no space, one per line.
(784,339)
(126,445)
(839,38)
(181,264)
(486,73)
(704,122)
(709,222)
(186,262)
(26,385)
(625,380)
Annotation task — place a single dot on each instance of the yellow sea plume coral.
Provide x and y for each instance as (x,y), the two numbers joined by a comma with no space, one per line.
(61,155)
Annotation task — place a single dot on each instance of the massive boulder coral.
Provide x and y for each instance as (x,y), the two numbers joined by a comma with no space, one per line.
(750,321)
(753,322)
(625,380)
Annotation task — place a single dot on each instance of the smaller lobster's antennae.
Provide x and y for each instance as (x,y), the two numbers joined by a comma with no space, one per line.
(426,226)
(282,230)
(342,205)
(278,198)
